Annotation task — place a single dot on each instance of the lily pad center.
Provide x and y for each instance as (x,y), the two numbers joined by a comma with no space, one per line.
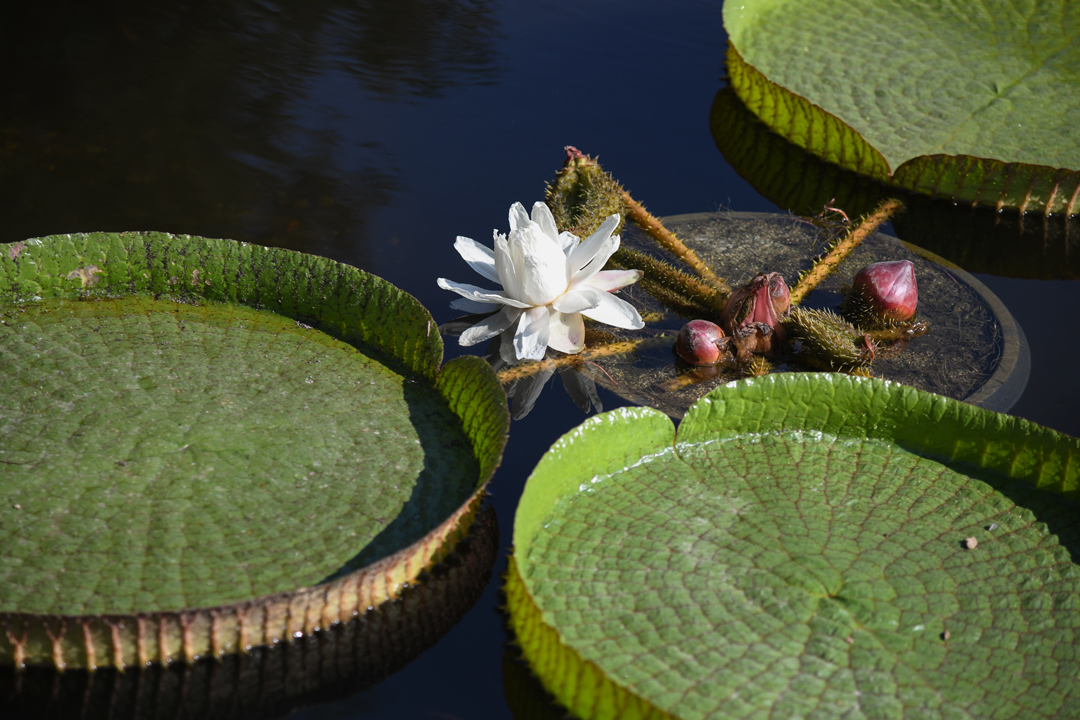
(158,455)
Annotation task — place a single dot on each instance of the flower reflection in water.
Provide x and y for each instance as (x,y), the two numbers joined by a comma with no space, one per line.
(524,388)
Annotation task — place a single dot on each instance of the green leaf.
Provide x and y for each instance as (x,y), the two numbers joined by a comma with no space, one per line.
(231,442)
(970,102)
(799,549)
(783,172)
(274,680)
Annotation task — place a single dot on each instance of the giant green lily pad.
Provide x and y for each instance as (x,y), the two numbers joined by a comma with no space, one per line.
(971,102)
(208,445)
(804,546)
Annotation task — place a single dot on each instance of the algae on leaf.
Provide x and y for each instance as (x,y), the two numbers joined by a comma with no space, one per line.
(971,101)
(799,546)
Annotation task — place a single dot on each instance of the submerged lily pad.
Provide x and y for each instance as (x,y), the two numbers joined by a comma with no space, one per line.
(970,102)
(974,350)
(801,548)
(207,445)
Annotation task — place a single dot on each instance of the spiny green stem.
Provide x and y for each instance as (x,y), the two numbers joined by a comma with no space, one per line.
(636,211)
(825,264)
(900,331)
(672,301)
(675,289)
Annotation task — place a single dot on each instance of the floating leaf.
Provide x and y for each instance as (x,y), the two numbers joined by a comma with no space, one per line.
(972,103)
(798,549)
(973,351)
(272,681)
(215,445)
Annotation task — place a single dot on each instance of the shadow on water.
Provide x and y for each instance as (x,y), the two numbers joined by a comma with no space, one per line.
(207,118)
(272,681)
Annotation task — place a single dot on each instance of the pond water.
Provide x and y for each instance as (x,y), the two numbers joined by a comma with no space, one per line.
(374,133)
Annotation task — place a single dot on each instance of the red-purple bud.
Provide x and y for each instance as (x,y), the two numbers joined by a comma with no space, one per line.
(698,341)
(764,299)
(889,288)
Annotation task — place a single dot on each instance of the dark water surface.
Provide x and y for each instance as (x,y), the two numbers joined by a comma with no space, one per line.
(374,133)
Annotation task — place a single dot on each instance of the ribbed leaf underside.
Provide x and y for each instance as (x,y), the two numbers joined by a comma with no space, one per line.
(970,102)
(802,549)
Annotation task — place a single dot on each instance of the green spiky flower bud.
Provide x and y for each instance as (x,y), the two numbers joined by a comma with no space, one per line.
(824,340)
(583,195)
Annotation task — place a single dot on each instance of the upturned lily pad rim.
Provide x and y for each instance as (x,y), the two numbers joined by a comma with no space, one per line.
(950,432)
(964,178)
(39,268)
(275,681)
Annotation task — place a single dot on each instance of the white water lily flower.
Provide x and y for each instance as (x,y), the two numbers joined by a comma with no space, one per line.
(549,280)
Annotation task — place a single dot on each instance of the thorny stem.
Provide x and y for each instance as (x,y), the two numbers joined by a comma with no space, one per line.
(843,247)
(676,290)
(623,347)
(636,211)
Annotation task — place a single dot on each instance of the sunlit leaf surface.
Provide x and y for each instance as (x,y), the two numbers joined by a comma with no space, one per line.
(195,424)
(805,545)
(972,101)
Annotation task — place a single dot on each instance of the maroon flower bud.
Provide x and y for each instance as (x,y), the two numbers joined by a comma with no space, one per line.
(889,288)
(764,299)
(699,342)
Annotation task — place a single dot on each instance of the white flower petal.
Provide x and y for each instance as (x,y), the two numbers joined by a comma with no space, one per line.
(542,268)
(473,307)
(590,246)
(568,241)
(518,217)
(541,215)
(489,327)
(480,258)
(596,266)
(507,353)
(577,299)
(566,332)
(531,338)
(479,294)
(614,311)
(613,279)
(504,265)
